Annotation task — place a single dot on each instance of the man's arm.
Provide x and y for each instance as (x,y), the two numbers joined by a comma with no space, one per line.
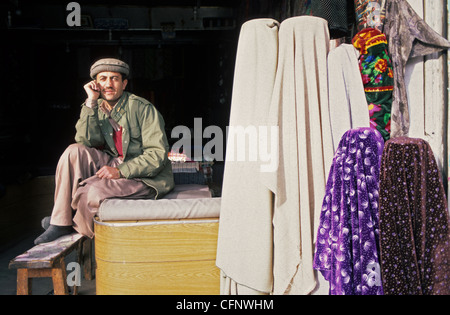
(87,129)
(109,172)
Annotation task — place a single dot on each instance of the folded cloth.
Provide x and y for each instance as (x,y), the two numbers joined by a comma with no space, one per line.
(347,246)
(183,202)
(414,221)
(189,191)
(161,209)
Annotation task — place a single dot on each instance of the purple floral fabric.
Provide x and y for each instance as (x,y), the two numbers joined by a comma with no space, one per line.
(347,247)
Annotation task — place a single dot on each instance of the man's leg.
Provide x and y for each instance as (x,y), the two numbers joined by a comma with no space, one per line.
(93,191)
(77,163)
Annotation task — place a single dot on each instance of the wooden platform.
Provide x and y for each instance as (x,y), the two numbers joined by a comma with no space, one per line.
(48,260)
(157,257)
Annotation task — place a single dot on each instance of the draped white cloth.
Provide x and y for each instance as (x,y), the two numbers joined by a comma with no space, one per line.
(300,109)
(268,219)
(347,100)
(244,252)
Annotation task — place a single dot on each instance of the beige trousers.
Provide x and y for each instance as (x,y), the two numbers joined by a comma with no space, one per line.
(79,192)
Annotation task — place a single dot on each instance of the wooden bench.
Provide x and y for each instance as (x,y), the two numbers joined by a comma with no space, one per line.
(48,260)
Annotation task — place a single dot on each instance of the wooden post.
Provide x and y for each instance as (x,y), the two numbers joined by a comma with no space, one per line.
(435,87)
(426,79)
(447,129)
(23,282)
(59,278)
(87,259)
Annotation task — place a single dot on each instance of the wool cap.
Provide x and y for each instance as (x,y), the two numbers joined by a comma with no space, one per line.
(109,64)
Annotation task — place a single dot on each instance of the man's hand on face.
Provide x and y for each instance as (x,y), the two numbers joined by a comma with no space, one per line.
(92,89)
(108,172)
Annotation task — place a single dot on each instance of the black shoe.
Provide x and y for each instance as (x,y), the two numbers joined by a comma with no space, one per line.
(45,223)
(52,233)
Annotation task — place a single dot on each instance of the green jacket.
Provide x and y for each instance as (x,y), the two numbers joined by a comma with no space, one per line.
(145,145)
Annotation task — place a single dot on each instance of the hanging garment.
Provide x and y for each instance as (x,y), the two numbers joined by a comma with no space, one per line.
(340,15)
(370,14)
(347,100)
(300,109)
(408,36)
(266,227)
(414,221)
(377,76)
(244,250)
(347,247)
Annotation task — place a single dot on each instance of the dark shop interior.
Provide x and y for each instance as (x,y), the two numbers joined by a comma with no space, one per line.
(181,55)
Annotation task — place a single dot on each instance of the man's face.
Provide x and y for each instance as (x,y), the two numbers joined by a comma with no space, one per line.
(111,85)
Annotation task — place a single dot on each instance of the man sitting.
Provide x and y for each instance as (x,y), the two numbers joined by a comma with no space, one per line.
(121,151)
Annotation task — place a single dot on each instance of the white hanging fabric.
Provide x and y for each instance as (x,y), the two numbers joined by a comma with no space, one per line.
(267,223)
(300,109)
(244,251)
(347,100)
